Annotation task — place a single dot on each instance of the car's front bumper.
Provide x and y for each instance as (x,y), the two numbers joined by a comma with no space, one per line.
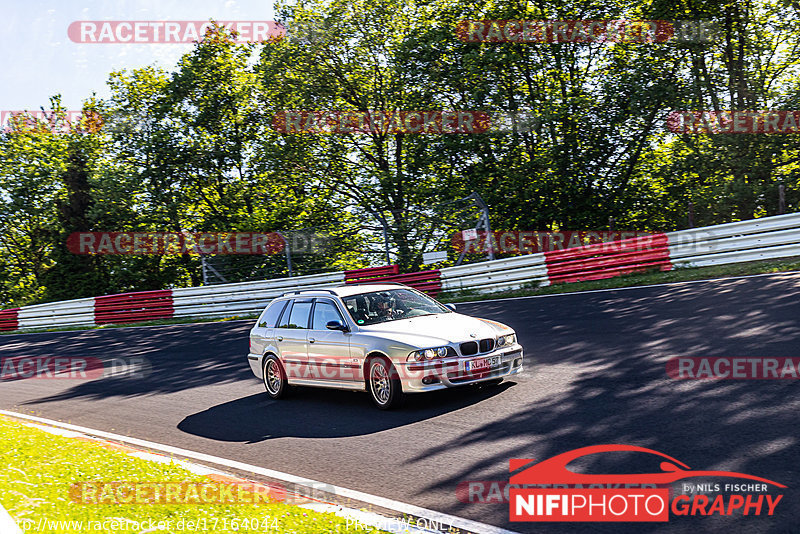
(450,372)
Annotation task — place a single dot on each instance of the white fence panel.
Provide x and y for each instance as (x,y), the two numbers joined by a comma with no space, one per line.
(246,297)
(505,274)
(78,312)
(739,242)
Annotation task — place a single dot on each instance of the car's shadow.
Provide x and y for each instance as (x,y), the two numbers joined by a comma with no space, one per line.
(324,413)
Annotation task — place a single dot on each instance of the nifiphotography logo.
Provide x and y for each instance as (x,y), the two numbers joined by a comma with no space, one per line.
(575,496)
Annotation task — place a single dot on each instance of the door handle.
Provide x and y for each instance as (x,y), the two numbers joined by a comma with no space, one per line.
(311,340)
(280,338)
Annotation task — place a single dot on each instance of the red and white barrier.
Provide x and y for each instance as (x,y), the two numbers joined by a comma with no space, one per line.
(428,281)
(133,307)
(766,238)
(9,319)
(606,260)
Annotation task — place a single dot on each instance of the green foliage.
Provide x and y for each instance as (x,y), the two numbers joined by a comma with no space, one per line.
(194,147)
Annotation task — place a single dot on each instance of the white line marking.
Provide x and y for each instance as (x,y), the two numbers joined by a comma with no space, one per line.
(668,284)
(7,523)
(397,506)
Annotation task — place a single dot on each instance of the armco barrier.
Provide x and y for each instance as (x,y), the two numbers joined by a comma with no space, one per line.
(429,282)
(8,319)
(244,298)
(497,275)
(359,275)
(766,238)
(78,312)
(606,260)
(738,242)
(133,307)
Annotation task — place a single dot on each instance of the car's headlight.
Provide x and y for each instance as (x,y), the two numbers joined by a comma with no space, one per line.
(508,339)
(427,354)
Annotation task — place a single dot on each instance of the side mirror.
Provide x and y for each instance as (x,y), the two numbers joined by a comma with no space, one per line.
(336,325)
(451,306)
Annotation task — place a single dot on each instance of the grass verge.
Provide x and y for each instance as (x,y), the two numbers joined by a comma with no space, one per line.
(38,469)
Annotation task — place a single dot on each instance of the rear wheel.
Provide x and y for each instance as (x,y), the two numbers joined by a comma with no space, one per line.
(383,385)
(274,377)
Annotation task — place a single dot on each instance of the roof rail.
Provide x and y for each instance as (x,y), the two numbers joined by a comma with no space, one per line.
(298,292)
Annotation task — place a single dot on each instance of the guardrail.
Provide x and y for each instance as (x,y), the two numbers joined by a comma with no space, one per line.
(497,275)
(427,281)
(9,319)
(244,298)
(766,238)
(738,242)
(606,260)
(133,307)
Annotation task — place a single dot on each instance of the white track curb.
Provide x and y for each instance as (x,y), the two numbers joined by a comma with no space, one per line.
(396,526)
(7,523)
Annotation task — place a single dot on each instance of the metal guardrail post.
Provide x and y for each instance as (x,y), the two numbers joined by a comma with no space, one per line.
(288,253)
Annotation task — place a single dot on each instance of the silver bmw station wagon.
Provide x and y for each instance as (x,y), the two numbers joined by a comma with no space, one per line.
(386,339)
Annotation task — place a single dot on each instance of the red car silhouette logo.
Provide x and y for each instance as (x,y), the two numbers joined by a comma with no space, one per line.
(554,470)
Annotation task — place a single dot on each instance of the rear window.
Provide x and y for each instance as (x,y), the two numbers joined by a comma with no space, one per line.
(270,317)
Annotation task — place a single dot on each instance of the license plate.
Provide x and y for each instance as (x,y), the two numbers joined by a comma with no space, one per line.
(483,363)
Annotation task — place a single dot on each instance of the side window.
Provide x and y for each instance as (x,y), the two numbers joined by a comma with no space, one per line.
(324,312)
(270,317)
(284,320)
(298,317)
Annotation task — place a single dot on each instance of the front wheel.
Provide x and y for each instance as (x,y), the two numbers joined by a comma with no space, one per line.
(383,384)
(274,377)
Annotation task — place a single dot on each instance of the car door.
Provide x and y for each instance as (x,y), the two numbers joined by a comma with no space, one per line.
(291,337)
(329,350)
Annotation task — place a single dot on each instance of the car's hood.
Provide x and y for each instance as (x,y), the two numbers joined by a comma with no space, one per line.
(439,329)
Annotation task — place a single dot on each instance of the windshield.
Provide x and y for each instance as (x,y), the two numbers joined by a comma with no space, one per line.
(391,305)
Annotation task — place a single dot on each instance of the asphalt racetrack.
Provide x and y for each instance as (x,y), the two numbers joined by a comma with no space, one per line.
(595,374)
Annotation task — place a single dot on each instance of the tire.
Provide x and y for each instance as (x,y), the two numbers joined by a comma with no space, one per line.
(274,377)
(383,385)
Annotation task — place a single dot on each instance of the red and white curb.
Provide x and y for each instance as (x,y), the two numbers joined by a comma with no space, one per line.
(426,521)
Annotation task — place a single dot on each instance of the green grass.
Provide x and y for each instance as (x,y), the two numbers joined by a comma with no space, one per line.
(38,469)
(684,274)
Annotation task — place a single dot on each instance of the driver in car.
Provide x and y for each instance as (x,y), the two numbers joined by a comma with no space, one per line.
(385,308)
